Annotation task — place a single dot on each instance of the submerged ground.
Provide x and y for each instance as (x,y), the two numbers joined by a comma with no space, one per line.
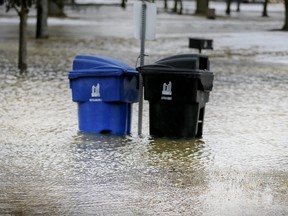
(239,167)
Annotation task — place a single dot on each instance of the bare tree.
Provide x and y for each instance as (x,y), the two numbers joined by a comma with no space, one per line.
(165,4)
(238,5)
(42,16)
(228,8)
(285,27)
(175,9)
(265,5)
(123,3)
(22,9)
(201,6)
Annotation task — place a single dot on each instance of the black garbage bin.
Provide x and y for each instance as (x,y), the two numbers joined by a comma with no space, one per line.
(177,89)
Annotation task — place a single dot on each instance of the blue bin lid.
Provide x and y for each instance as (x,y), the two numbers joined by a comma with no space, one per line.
(90,66)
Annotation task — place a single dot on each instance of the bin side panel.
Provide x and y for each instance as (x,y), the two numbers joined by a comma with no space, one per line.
(207,81)
(131,90)
(112,118)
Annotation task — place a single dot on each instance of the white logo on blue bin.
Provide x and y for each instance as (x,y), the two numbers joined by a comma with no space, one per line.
(95,93)
(95,90)
(167,91)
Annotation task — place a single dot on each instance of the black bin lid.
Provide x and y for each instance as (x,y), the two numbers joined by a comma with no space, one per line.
(179,63)
(195,66)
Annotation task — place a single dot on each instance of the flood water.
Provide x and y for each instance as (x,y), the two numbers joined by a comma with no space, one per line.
(48,167)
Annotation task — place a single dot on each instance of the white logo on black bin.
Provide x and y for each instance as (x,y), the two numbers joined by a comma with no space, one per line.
(167,91)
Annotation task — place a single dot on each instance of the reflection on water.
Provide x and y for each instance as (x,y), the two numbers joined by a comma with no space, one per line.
(86,174)
(138,176)
(48,168)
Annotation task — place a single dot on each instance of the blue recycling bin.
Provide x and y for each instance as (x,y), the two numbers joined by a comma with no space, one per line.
(104,89)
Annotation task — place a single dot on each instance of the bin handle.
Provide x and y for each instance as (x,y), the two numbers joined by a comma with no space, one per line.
(125,70)
(110,67)
(157,66)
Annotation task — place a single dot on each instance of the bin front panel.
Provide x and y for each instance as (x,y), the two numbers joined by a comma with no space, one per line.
(173,119)
(168,87)
(130,89)
(106,89)
(111,118)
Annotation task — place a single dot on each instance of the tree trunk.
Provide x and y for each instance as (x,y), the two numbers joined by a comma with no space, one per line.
(123,4)
(238,5)
(201,7)
(165,4)
(22,55)
(181,6)
(228,10)
(42,16)
(285,27)
(265,12)
(175,8)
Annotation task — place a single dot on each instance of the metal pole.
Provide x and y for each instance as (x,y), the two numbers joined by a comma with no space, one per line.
(142,56)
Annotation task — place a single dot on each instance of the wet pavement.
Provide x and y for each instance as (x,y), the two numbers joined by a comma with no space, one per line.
(239,167)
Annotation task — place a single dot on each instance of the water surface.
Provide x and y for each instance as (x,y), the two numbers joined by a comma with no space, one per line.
(48,167)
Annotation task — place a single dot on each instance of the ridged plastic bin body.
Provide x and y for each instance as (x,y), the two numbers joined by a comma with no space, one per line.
(104,96)
(177,89)
(105,118)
